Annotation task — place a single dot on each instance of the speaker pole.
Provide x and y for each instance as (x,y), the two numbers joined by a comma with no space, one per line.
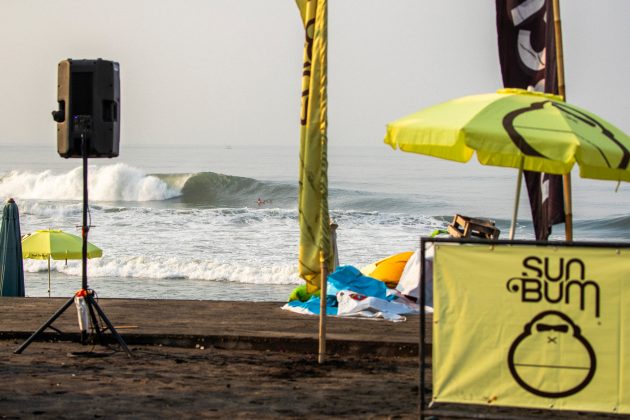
(84,123)
(85,227)
(86,126)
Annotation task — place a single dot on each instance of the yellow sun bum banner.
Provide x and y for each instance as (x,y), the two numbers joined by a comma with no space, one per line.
(528,326)
(313,179)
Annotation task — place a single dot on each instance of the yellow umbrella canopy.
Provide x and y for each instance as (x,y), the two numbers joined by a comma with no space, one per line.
(520,129)
(56,244)
(517,128)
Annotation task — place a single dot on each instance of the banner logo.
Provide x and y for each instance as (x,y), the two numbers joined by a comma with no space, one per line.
(526,43)
(532,326)
(551,358)
(599,134)
(556,282)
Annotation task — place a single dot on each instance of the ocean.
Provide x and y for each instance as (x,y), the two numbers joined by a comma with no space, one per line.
(183,222)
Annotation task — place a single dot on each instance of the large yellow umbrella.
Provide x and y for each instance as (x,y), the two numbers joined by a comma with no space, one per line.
(520,129)
(56,244)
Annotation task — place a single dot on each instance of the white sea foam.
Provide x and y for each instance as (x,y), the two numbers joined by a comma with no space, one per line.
(172,251)
(49,210)
(117,182)
(215,242)
(175,268)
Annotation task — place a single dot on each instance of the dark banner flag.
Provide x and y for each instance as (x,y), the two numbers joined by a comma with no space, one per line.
(528,58)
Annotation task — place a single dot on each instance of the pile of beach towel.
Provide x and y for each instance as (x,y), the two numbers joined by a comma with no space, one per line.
(365,293)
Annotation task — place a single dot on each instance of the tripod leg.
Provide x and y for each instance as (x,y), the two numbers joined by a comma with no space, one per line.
(95,323)
(109,324)
(46,325)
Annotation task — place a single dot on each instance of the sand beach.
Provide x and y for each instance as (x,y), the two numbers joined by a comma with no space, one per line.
(205,359)
(215,360)
(48,381)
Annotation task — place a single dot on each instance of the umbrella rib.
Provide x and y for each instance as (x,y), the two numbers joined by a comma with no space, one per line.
(575,114)
(601,152)
(554,130)
(586,119)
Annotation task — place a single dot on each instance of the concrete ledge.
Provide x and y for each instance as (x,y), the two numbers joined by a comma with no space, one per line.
(222,324)
(237,342)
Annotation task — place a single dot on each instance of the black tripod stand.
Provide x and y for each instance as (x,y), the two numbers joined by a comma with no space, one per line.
(84,124)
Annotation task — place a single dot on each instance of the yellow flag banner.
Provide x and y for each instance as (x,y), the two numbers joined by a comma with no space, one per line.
(532,326)
(313,179)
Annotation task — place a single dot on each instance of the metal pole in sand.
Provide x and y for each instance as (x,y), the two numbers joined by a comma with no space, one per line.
(321,358)
(49,276)
(568,207)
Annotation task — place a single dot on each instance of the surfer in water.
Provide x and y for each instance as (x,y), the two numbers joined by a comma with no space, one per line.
(261,201)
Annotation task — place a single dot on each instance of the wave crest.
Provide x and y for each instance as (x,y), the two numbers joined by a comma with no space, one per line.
(174,268)
(218,190)
(118,182)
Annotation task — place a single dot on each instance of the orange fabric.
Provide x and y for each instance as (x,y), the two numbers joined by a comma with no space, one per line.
(390,269)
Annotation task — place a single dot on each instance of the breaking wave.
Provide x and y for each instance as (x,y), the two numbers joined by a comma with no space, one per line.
(211,189)
(173,268)
(118,182)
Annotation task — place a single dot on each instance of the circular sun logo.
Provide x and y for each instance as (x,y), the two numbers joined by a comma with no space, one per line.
(551,358)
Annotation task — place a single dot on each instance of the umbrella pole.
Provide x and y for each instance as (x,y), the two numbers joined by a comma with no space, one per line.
(568,208)
(519,183)
(49,276)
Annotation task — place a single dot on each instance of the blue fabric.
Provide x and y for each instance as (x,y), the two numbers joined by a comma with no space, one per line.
(348,277)
(345,277)
(312,305)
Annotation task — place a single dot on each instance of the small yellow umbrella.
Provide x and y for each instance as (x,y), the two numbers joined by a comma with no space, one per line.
(58,245)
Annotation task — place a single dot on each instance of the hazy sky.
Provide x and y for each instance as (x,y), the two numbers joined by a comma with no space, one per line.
(228,72)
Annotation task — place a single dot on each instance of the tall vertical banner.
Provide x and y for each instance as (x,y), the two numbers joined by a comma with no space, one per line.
(528,58)
(530,326)
(313,180)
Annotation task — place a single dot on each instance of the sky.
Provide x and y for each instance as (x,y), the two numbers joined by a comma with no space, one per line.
(229,72)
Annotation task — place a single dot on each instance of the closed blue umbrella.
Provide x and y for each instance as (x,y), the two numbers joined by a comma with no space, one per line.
(11,269)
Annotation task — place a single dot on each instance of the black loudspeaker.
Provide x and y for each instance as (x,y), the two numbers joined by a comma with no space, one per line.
(88,90)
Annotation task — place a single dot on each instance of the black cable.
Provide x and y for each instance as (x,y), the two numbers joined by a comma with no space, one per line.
(89,217)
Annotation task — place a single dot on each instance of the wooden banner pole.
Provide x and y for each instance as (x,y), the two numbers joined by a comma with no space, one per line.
(568,207)
(321,358)
(557,26)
